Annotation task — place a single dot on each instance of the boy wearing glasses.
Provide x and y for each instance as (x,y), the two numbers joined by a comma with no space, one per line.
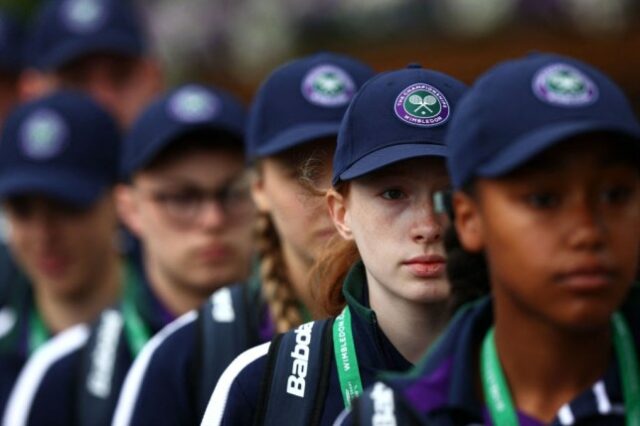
(186,199)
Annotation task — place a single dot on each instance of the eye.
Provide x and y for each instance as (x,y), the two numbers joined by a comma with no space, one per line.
(393,194)
(616,194)
(542,200)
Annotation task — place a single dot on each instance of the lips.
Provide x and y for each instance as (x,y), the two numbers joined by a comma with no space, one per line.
(427,266)
(587,278)
(214,253)
(52,266)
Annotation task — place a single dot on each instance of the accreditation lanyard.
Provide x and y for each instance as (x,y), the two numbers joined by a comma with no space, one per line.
(38,332)
(136,331)
(498,397)
(346,359)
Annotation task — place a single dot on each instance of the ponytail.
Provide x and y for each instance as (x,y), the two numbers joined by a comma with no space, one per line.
(277,289)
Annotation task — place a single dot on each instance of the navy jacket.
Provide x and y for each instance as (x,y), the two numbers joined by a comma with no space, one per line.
(235,400)
(441,390)
(168,383)
(80,371)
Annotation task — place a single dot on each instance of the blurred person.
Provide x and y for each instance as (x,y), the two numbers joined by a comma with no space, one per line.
(294,117)
(58,168)
(98,46)
(187,199)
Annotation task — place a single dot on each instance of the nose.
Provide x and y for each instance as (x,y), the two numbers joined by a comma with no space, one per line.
(213,215)
(427,227)
(587,226)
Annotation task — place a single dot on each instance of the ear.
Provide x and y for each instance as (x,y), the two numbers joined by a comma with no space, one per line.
(468,222)
(128,208)
(259,193)
(33,84)
(338,211)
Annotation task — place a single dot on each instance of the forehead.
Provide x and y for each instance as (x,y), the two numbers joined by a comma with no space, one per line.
(595,150)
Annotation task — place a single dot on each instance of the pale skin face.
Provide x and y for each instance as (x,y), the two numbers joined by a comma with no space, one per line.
(123,85)
(389,214)
(300,217)
(192,254)
(62,248)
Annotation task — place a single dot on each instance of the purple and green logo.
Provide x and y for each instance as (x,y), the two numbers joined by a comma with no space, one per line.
(422,105)
(564,85)
(328,86)
(84,16)
(193,104)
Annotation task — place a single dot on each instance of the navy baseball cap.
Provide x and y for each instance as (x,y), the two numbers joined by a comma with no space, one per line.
(11,44)
(396,115)
(301,101)
(524,106)
(187,109)
(66,30)
(64,146)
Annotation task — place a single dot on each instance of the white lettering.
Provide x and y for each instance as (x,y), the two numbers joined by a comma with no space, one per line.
(104,354)
(295,381)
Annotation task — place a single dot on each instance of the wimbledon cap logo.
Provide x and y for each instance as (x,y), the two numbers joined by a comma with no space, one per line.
(43,135)
(564,85)
(422,105)
(328,86)
(193,104)
(84,15)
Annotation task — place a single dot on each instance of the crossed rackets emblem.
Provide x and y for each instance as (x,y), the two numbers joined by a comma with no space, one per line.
(423,103)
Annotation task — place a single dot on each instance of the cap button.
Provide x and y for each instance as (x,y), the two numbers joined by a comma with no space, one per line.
(414,65)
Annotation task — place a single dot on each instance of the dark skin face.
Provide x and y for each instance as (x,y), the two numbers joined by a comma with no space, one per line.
(561,240)
(560,234)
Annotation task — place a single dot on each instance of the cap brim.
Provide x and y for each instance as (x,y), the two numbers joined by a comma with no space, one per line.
(535,143)
(389,155)
(297,136)
(115,42)
(172,134)
(79,191)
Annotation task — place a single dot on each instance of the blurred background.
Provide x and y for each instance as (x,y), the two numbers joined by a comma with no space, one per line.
(235,43)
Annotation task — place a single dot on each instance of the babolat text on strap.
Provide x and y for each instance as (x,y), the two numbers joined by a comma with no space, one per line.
(299,367)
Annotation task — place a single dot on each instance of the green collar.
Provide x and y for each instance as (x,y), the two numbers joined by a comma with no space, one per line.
(355,292)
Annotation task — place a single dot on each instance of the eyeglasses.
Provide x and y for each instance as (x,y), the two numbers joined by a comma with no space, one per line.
(185,206)
(442,203)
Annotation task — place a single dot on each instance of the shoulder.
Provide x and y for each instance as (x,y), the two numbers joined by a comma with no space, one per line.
(244,372)
(52,362)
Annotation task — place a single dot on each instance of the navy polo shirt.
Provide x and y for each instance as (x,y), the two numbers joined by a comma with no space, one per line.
(442,389)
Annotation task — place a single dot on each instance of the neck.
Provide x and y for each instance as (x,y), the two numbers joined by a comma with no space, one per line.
(178,298)
(297,271)
(60,312)
(399,319)
(560,365)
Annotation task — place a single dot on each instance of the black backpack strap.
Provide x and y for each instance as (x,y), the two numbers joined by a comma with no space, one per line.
(267,378)
(96,398)
(299,371)
(226,318)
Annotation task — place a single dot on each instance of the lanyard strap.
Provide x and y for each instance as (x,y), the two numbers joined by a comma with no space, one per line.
(38,332)
(346,359)
(497,393)
(136,331)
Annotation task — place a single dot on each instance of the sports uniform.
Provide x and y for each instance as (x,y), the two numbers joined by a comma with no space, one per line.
(316,369)
(301,101)
(460,381)
(55,163)
(80,373)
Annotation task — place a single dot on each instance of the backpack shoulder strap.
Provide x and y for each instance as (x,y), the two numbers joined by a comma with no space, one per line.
(96,398)
(299,375)
(225,317)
